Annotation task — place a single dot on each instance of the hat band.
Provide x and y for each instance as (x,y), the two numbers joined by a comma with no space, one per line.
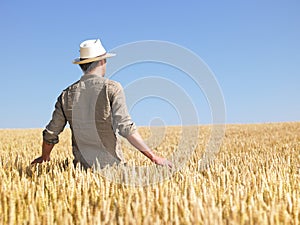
(93,57)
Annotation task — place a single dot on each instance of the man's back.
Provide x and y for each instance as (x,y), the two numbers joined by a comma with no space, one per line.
(95,108)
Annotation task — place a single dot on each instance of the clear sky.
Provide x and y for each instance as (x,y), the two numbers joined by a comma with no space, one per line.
(252,47)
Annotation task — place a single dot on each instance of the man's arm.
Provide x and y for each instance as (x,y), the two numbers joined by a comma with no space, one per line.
(46,150)
(122,121)
(53,129)
(136,140)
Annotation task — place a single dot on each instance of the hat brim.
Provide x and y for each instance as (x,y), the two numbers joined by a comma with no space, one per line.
(83,61)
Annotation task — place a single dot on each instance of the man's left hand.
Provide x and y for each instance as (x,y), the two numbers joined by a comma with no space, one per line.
(40,160)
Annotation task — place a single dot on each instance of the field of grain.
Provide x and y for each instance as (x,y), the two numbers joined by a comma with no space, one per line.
(254,179)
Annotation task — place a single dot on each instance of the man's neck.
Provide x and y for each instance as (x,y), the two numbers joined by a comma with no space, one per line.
(97,71)
(91,73)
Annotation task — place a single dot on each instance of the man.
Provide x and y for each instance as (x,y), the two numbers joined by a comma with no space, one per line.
(95,109)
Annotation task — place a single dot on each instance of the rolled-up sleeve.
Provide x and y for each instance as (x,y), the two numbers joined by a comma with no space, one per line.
(56,125)
(121,118)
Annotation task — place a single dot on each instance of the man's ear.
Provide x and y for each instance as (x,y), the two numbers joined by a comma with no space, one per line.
(102,62)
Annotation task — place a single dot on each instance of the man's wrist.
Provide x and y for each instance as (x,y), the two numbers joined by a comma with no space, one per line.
(154,158)
(150,155)
(46,157)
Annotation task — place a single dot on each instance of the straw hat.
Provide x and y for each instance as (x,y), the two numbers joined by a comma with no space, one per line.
(92,50)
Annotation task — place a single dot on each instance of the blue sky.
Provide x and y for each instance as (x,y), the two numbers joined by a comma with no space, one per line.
(252,47)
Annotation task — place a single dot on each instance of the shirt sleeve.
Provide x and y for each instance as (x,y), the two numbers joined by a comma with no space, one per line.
(56,125)
(120,116)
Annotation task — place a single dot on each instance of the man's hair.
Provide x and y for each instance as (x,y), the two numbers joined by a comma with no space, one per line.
(87,67)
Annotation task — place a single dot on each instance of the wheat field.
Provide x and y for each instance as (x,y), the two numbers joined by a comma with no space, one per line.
(254,179)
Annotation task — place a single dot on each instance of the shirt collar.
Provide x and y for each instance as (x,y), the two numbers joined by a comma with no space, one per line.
(89,76)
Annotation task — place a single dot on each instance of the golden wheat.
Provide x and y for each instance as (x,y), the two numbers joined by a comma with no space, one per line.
(254,179)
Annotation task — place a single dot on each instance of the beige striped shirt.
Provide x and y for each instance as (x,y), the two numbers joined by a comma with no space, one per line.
(95,108)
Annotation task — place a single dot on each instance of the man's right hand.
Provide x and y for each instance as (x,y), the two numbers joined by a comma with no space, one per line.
(137,141)
(162,161)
